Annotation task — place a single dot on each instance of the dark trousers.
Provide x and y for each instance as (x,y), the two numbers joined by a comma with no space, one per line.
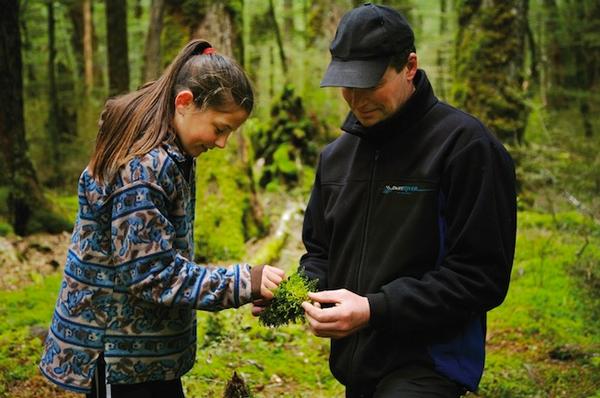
(410,382)
(150,389)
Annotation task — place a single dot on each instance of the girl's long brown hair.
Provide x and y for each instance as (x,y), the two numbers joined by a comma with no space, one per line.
(135,123)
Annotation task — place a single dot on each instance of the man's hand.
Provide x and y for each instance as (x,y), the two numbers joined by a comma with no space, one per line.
(350,313)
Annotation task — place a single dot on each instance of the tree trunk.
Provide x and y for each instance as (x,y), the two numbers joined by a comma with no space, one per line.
(533,53)
(441,61)
(555,59)
(222,26)
(584,51)
(62,117)
(77,35)
(55,158)
(88,48)
(118,62)
(25,193)
(216,28)
(490,62)
(152,66)
(278,39)
(288,20)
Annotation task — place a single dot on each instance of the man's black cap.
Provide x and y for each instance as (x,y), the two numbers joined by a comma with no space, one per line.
(365,40)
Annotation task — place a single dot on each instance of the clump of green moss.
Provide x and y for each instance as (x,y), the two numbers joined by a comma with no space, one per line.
(286,305)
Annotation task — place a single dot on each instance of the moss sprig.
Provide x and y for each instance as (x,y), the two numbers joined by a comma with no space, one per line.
(286,306)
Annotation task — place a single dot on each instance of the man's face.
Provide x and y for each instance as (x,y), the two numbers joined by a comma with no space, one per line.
(372,105)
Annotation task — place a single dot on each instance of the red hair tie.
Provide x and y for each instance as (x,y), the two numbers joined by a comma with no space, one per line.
(208,50)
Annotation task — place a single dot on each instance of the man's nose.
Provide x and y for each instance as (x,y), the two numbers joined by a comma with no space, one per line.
(357,96)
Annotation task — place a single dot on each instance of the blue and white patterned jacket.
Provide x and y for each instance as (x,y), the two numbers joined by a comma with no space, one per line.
(129,289)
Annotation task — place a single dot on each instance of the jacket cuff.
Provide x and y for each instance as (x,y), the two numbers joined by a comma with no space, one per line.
(379,309)
(255,281)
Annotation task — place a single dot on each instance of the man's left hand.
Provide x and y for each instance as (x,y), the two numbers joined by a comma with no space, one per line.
(350,313)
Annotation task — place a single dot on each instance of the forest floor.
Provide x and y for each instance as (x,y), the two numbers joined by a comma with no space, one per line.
(542,342)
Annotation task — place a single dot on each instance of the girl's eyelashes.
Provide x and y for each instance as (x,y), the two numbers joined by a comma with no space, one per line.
(221,130)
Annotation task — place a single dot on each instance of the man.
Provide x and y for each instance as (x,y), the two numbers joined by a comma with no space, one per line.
(410,228)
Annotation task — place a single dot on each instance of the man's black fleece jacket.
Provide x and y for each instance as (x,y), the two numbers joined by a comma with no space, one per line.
(418,214)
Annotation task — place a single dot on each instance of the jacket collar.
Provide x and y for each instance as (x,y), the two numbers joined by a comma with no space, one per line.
(173,150)
(406,117)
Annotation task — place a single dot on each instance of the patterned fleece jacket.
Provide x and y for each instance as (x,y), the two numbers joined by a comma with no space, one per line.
(129,290)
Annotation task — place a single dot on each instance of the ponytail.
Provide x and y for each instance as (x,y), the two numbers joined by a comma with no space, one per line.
(133,124)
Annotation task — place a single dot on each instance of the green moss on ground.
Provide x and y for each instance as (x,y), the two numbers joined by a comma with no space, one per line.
(541,340)
(24,318)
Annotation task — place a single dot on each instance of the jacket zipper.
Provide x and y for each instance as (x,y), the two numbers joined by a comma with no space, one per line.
(363,249)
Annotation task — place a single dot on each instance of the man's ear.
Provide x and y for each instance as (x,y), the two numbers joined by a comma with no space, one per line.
(411,66)
(183,99)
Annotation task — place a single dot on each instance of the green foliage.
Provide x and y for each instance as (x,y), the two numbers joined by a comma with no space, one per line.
(44,220)
(5,229)
(213,330)
(287,142)
(4,201)
(64,205)
(286,306)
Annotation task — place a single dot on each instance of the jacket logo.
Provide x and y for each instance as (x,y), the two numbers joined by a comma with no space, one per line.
(404,189)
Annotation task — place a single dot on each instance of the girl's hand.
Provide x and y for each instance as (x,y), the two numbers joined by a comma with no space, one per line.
(271,278)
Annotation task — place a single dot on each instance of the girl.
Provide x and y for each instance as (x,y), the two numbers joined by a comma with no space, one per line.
(124,317)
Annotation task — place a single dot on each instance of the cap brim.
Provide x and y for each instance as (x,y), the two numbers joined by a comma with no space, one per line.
(361,73)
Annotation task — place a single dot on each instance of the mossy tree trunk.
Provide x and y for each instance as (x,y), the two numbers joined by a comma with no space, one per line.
(441,57)
(17,170)
(489,63)
(116,37)
(585,36)
(555,55)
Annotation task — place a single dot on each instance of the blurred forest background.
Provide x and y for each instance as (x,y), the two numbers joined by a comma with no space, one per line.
(530,69)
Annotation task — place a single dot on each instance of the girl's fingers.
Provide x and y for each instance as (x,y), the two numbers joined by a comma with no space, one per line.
(276,279)
(256,310)
(270,285)
(266,293)
(275,270)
